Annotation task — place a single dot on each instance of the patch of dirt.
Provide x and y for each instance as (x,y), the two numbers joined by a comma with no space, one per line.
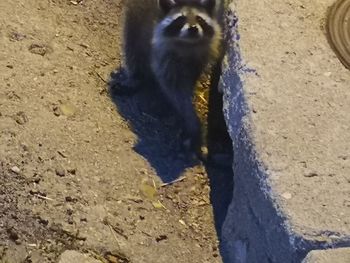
(71,178)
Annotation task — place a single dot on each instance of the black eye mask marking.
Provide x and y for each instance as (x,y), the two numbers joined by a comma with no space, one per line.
(208,30)
(175,27)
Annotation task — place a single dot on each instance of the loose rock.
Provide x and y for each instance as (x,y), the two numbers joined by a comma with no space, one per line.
(38,49)
(15,169)
(21,118)
(60,172)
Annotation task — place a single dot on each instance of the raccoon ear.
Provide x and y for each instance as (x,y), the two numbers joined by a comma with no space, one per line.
(166,5)
(209,5)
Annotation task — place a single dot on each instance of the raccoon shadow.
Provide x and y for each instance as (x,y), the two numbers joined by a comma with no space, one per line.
(157,130)
(158,140)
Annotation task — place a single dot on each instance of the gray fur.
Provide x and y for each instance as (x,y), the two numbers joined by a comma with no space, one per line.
(173,62)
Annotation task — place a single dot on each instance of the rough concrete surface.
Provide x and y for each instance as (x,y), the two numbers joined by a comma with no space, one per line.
(340,255)
(287,102)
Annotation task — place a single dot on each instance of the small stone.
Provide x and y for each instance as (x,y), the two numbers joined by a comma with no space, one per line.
(60,172)
(72,171)
(38,49)
(15,169)
(43,221)
(69,199)
(15,36)
(287,195)
(21,118)
(161,238)
(182,222)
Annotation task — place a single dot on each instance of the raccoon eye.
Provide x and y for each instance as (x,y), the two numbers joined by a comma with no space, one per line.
(208,30)
(174,28)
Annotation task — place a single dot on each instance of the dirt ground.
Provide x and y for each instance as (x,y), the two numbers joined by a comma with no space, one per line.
(78,170)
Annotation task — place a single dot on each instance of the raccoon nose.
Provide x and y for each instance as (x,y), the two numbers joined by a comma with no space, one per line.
(193,31)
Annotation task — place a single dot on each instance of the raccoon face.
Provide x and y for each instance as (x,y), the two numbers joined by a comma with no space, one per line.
(188,21)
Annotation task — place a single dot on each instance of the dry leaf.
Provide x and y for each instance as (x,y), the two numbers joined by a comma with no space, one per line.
(148,191)
(68,109)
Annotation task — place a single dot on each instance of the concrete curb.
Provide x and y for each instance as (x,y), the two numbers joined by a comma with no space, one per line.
(256,228)
(340,255)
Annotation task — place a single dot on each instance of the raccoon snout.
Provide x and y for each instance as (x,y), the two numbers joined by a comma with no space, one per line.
(191,31)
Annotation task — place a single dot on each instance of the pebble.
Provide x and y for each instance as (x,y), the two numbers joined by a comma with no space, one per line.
(161,238)
(72,171)
(15,169)
(60,172)
(21,118)
(38,49)
(287,195)
(69,199)
(16,36)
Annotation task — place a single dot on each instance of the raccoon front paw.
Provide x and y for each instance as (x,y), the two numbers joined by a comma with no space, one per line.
(121,84)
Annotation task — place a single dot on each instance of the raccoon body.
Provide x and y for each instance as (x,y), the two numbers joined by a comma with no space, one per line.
(169,43)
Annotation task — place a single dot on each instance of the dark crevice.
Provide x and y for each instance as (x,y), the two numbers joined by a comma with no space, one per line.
(220,150)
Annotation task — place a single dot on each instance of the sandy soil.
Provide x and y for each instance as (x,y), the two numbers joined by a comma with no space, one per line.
(78,170)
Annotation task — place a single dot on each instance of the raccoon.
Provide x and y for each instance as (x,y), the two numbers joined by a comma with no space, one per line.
(168,44)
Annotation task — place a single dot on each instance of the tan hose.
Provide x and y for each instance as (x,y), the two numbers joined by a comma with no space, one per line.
(338,30)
